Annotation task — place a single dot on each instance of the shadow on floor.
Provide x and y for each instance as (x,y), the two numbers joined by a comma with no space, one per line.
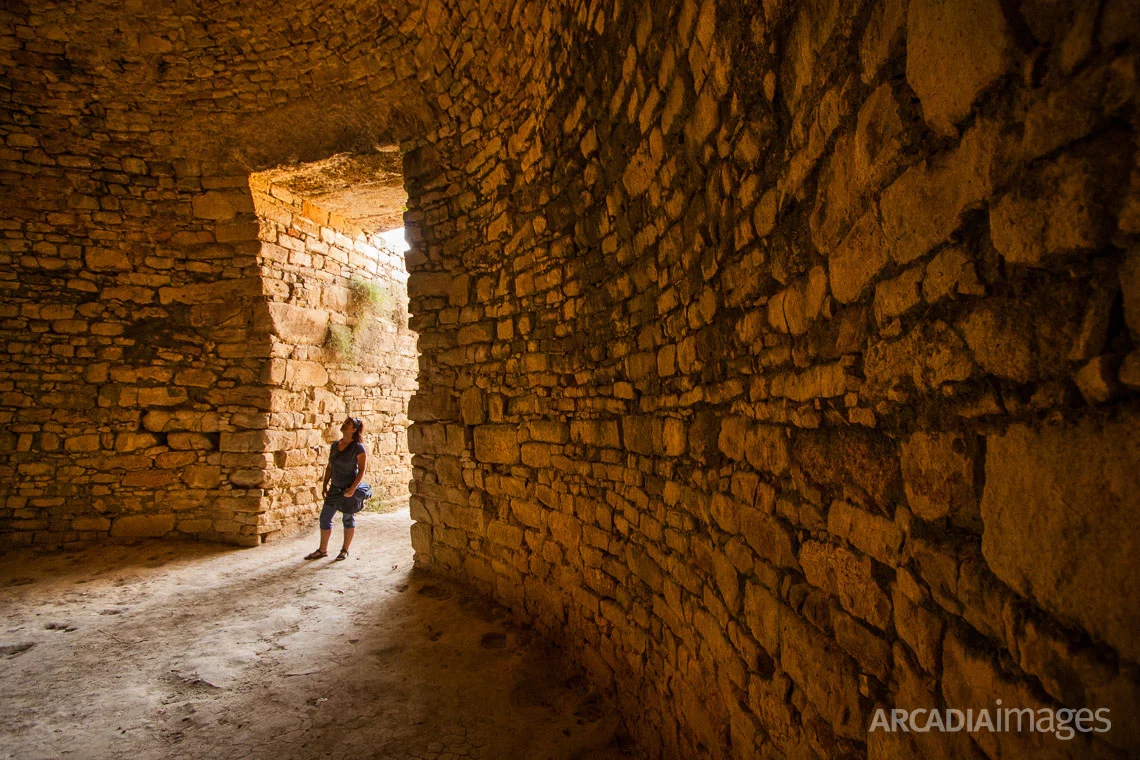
(179,651)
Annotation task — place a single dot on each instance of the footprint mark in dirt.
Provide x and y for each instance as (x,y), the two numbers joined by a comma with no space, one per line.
(65,627)
(15,650)
(435,592)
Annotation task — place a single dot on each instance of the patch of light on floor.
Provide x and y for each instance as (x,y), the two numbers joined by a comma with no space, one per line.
(395,238)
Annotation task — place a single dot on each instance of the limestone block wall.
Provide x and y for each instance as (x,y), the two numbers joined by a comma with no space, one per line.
(135,395)
(134,336)
(308,263)
(780,361)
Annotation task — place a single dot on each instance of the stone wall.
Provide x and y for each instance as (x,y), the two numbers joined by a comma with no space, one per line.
(310,261)
(781,362)
(134,378)
(135,332)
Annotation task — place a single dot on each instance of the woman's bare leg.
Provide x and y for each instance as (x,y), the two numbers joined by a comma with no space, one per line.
(325,539)
(348,533)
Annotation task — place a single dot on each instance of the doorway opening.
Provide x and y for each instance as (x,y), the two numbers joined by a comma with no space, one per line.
(332,265)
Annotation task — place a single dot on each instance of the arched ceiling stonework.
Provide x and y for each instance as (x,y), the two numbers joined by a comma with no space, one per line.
(366,190)
(253,84)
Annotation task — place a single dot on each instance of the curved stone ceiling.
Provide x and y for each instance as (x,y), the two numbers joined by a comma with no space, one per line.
(366,190)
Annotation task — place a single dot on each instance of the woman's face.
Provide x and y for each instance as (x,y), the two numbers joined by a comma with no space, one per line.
(347,427)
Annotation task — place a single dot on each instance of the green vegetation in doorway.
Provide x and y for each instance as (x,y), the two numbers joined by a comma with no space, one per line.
(371,304)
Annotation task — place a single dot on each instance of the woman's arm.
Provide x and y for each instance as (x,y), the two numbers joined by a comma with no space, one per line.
(328,477)
(361,461)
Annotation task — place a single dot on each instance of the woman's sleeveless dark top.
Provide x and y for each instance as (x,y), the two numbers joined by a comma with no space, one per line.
(343,463)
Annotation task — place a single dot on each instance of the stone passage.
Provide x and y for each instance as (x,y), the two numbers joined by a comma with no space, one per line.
(189,443)
(337,297)
(780,360)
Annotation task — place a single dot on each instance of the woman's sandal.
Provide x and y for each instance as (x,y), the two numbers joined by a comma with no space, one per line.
(317,554)
(342,555)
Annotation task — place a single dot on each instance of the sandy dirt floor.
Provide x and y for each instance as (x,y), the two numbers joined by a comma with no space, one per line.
(161,650)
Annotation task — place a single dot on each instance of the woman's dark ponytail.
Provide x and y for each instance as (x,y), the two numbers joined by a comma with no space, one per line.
(359,432)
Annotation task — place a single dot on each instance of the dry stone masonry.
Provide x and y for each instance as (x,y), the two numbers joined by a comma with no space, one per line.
(321,284)
(146,384)
(786,373)
(780,360)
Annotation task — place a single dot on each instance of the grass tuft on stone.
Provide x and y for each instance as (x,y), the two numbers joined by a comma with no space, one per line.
(369,297)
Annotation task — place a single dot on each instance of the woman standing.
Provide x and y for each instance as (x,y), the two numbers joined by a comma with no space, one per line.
(345,469)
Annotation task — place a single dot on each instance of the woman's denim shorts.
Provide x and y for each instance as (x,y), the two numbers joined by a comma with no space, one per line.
(335,501)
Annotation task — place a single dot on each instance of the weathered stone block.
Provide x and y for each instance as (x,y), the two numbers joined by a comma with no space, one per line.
(194,526)
(924,206)
(254,478)
(884,29)
(950,272)
(82,443)
(828,677)
(674,436)
(1056,214)
(133,441)
(106,258)
(920,629)
(497,444)
(471,405)
(1056,496)
(305,374)
(428,284)
(147,479)
(548,431)
(849,578)
(869,533)
(858,259)
(299,325)
(202,477)
(91,523)
(603,433)
(954,50)
(221,205)
(189,441)
(767,536)
(428,407)
(733,436)
(197,378)
(938,476)
(167,396)
(849,456)
(766,448)
(253,440)
(642,434)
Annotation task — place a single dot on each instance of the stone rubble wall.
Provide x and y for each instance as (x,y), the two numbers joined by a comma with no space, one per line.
(780,361)
(307,261)
(135,391)
(134,347)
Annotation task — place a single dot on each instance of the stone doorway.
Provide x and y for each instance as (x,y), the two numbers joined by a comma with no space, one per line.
(336,291)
